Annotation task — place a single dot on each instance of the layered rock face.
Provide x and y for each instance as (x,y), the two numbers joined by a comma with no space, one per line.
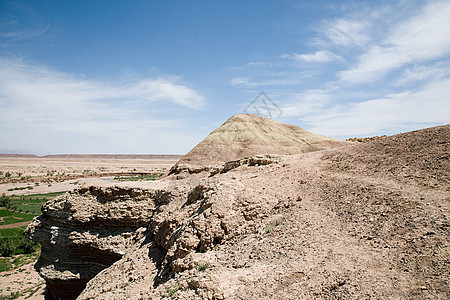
(87,230)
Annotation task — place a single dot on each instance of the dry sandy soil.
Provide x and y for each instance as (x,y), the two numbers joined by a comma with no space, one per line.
(25,280)
(363,221)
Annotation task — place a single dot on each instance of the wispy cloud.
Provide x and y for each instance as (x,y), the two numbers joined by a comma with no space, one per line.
(240,81)
(424,73)
(318,56)
(24,83)
(343,32)
(259,64)
(394,113)
(422,38)
(248,83)
(306,103)
(165,90)
(19,22)
(36,101)
(403,56)
(24,33)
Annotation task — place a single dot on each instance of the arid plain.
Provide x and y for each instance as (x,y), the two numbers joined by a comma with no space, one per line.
(53,173)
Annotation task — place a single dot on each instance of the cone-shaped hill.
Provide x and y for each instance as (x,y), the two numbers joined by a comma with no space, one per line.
(245,135)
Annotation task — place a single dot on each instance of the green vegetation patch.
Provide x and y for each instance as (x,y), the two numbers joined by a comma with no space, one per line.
(20,188)
(173,289)
(12,263)
(12,295)
(30,203)
(11,232)
(13,241)
(11,217)
(146,177)
(5,264)
(24,259)
(203,266)
(47,195)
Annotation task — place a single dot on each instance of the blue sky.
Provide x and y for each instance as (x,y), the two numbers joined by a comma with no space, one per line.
(158,76)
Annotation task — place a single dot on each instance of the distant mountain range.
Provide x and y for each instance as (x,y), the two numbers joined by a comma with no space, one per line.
(94,156)
(20,151)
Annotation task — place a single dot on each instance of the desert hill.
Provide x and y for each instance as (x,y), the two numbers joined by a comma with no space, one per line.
(246,135)
(363,221)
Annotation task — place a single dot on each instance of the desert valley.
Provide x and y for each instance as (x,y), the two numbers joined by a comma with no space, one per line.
(257,210)
(28,181)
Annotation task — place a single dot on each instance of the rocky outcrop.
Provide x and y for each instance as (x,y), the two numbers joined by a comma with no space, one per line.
(180,171)
(90,229)
(365,140)
(85,231)
(258,160)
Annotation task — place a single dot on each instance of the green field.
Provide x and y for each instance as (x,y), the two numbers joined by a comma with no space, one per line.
(32,203)
(16,209)
(146,177)
(11,232)
(10,217)
(13,241)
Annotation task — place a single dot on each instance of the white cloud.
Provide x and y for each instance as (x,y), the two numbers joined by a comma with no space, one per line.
(303,104)
(22,83)
(422,38)
(246,82)
(40,103)
(24,34)
(259,64)
(394,113)
(162,89)
(342,32)
(420,73)
(318,56)
(239,81)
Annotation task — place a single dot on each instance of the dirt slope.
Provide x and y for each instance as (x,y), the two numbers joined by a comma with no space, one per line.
(365,221)
(420,156)
(245,135)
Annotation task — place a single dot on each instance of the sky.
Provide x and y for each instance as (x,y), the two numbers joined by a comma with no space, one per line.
(150,77)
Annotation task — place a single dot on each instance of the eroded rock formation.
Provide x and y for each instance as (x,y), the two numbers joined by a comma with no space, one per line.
(85,231)
(362,221)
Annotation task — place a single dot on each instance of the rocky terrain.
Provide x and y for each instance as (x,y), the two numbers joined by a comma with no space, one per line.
(364,140)
(367,220)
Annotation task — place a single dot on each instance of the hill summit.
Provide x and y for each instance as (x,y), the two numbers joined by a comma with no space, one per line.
(245,135)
